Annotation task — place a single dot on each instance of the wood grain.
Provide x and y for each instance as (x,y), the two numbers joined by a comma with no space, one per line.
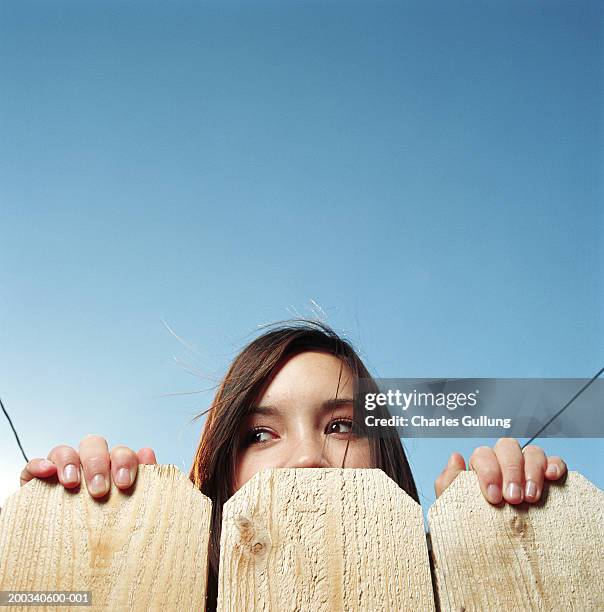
(145,549)
(323,540)
(545,556)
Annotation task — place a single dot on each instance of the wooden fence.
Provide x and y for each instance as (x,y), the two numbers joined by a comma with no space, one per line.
(307,539)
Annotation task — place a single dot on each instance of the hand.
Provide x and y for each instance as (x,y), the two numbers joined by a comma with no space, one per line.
(505,472)
(96,462)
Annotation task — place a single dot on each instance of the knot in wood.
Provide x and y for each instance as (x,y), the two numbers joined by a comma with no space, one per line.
(258,547)
(245,528)
(518,524)
(252,535)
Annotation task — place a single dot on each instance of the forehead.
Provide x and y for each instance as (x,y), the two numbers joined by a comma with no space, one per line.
(310,376)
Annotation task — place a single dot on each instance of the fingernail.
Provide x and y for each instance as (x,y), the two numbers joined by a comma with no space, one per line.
(531,489)
(45,465)
(123,477)
(98,484)
(514,492)
(71,473)
(494,493)
(552,470)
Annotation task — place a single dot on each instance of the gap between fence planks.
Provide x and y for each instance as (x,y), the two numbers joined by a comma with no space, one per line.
(141,550)
(318,539)
(307,539)
(545,556)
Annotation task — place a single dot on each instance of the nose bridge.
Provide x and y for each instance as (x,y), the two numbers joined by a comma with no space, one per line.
(307,452)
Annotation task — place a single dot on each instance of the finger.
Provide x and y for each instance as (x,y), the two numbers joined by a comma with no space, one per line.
(124,465)
(146,456)
(37,468)
(556,468)
(67,461)
(95,460)
(511,461)
(535,463)
(484,462)
(455,465)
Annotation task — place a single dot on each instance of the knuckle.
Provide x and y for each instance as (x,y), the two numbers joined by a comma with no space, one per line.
(537,459)
(34,463)
(511,467)
(98,464)
(62,452)
(535,470)
(489,473)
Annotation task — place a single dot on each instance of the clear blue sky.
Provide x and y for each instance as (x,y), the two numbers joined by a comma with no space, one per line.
(430,173)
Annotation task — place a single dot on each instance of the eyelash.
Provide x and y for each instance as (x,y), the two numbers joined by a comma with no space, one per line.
(348,422)
(249,438)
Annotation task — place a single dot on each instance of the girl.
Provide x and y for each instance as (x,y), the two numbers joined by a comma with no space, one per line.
(287,402)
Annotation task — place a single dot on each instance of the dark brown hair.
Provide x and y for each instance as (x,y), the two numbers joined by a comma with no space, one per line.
(213,468)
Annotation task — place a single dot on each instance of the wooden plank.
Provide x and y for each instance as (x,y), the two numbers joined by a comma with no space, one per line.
(145,549)
(545,556)
(323,540)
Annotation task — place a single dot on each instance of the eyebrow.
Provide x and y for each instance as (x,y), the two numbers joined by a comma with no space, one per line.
(327,405)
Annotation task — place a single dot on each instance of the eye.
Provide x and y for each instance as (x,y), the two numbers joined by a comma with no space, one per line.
(341,426)
(259,435)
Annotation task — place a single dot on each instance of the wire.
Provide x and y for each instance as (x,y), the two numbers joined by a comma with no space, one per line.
(14,431)
(575,396)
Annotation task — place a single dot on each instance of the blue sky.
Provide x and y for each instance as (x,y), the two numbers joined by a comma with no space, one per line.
(429,173)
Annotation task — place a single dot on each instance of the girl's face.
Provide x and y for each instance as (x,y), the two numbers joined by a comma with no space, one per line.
(300,423)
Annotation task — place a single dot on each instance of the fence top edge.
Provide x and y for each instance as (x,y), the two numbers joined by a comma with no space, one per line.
(320,475)
(572,479)
(156,472)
